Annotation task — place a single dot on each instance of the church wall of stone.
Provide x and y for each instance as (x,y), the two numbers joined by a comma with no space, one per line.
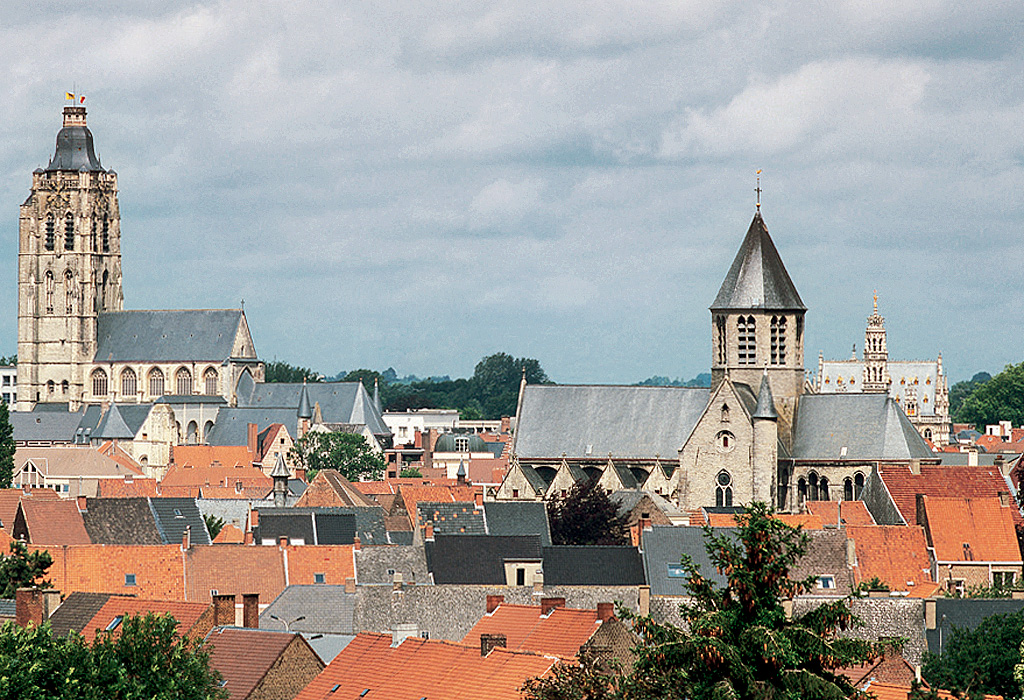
(515,487)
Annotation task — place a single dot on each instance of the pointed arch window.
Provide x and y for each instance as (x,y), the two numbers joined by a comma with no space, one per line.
(847,489)
(210,382)
(778,340)
(183,382)
(812,487)
(48,288)
(156,382)
(725,413)
(722,354)
(69,231)
(858,485)
(64,387)
(823,494)
(92,238)
(99,383)
(723,489)
(69,292)
(106,234)
(51,228)
(745,332)
(129,382)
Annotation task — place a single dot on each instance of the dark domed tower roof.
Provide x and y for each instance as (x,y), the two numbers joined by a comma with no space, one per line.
(446,443)
(74,145)
(757,278)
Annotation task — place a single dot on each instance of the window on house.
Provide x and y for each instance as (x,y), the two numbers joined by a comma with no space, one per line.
(676,571)
(723,489)
(515,493)
(50,386)
(826,582)
(129,383)
(847,489)
(319,578)
(114,624)
(1003,579)
(129,579)
(520,576)
(462,444)
(725,441)
(858,484)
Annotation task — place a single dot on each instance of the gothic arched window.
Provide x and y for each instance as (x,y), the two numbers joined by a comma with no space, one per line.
(48,242)
(858,484)
(129,382)
(92,238)
(183,382)
(778,337)
(725,413)
(720,325)
(723,489)
(48,286)
(801,489)
(106,234)
(192,435)
(210,381)
(847,489)
(927,432)
(69,292)
(69,231)
(745,331)
(812,487)
(99,383)
(101,304)
(823,494)
(50,387)
(156,382)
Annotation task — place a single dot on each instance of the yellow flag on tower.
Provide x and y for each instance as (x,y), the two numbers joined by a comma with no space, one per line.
(69,95)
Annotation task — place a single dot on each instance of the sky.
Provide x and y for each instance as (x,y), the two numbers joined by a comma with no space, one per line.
(418,185)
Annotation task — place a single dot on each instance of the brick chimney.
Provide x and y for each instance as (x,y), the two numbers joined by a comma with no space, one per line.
(506,424)
(223,610)
(186,538)
(28,607)
(83,504)
(493,601)
(489,641)
(605,611)
(251,434)
(251,610)
(428,532)
(479,498)
(350,585)
(357,543)
(549,604)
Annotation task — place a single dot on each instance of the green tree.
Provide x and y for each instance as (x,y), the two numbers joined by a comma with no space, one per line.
(7,448)
(213,524)
(276,371)
(349,453)
(21,568)
(586,515)
(961,390)
(410,473)
(981,660)
(496,382)
(1000,398)
(737,642)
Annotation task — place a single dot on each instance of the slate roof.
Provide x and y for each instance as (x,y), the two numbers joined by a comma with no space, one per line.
(121,521)
(765,407)
(889,691)
(77,610)
(943,481)
(8,608)
(518,518)
(113,427)
(46,423)
(562,631)
(452,518)
(896,554)
(327,646)
(340,402)
(757,279)
(966,613)
(663,549)
(51,522)
(327,609)
(477,559)
(306,525)
(244,657)
(868,426)
(193,335)
(334,525)
(173,515)
(75,151)
(626,421)
(971,529)
(577,565)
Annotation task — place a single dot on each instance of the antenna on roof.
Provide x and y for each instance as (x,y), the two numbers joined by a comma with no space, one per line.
(758,189)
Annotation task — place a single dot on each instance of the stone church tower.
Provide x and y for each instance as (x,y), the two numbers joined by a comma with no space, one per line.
(757,326)
(69,267)
(876,355)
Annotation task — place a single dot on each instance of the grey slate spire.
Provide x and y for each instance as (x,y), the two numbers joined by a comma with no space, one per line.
(757,278)
(765,403)
(376,396)
(280,476)
(305,408)
(113,426)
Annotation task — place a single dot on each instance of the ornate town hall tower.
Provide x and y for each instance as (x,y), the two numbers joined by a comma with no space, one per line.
(69,267)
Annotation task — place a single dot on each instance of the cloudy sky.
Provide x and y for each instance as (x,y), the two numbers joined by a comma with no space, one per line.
(418,185)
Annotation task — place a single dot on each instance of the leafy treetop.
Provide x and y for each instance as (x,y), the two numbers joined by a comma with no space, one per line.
(979,661)
(1000,398)
(7,448)
(276,371)
(22,568)
(586,515)
(349,453)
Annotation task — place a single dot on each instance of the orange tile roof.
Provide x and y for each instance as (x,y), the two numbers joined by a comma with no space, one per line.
(562,631)
(946,482)
(158,570)
(411,495)
(419,668)
(971,529)
(335,562)
(53,522)
(371,488)
(212,456)
(116,453)
(891,668)
(995,443)
(244,657)
(235,568)
(888,691)
(117,488)
(807,521)
(330,488)
(896,554)
(186,474)
(10,498)
(229,534)
(852,512)
(187,614)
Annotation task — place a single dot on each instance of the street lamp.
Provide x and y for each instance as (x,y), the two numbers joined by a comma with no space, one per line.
(287,624)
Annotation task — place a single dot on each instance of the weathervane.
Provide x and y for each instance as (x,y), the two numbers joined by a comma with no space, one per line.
(758,188)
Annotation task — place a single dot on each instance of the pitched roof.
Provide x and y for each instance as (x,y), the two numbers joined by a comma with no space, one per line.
(417,668)
(234,568)
(167,336)
(50,523)
(477,559)
(67,461)
(854,426)
(330,488)
(245,656)
(562,631)
(663,549)
(593,421)
(454,518)
(889,691)
(306,525)
(578,565)
(896,554)
(121,521)
(135,488)
(891,669)
(113,427)
(327,609)
(847,512)
(966,614)
(518,518)
(229,534)
(826,555)
(216,474)
(335,562)
(77,610)
(765,407)
(340,402)
(941,481)
(971,529)
(10,498)
(757,279)
(174,515)
(187,614)
(412,495)
(148,571)
(204,456)
(48,422)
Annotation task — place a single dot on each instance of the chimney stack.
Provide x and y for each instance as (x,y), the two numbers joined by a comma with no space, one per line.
(493,601)
(396,582)
(357,543)
(428,532)
(223,610)
(186,538)
(251,434)
(605,611)
(644,601)
(549,604)
(489,641)
(479,498)
(350,585)
(28,607)
(83,504)
(250,610)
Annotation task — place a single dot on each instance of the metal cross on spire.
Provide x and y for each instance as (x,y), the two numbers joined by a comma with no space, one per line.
(758,188)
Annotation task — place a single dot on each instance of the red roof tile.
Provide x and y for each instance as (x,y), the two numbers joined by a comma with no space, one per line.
(887,691)
(562,631)
(51,522)
(229,534)
(244,657)
(851,512)
(157,570)
(335,562)
(330,488)
(117,488)
(945,482)
(806,521)
(971,529)
(187,614)
(10,498)
(896,554)
(111,449)
(235,568)
(206,465)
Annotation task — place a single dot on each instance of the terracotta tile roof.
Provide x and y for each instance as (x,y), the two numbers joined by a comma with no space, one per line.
(229,534)
(206,465)
(896,554)
(136,488)
(412,495)
(335,562)
(420,668)
(942,481)
(111,449)
(887,691)
(971,529)
(187,614)
(852,512)
(994,443)
(51,522)
(245,656)
(392,485)
(891,669)
(235,568)
(330,488)
(807,521)
(201,456)
(157,570)
(562,631)
(10,498)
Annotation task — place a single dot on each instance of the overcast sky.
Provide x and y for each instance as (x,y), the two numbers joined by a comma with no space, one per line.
(418,185)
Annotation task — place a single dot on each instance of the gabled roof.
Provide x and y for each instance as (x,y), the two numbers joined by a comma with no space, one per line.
(896,554)
(187,614)
(478,559)
(330,488)
(173,515)
(593,421)
(889,691)
(757,279)
(50,523)
(562,631)
(68,461)
(229,534)
(184,474)
(518,518)
(855,426)
(411,495)
(663,549)
(121,521)
(10,498)
(48,422)
(113,427)
(826,555)
(453,518)
(335,562)
(579,565)
(327,609)
(617,477)
(971,529)
(340,402)
(118,454)
(77,610)
(942,481)
(138,487)
(244,657)
(193,335)
(966,614)
(304,524)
